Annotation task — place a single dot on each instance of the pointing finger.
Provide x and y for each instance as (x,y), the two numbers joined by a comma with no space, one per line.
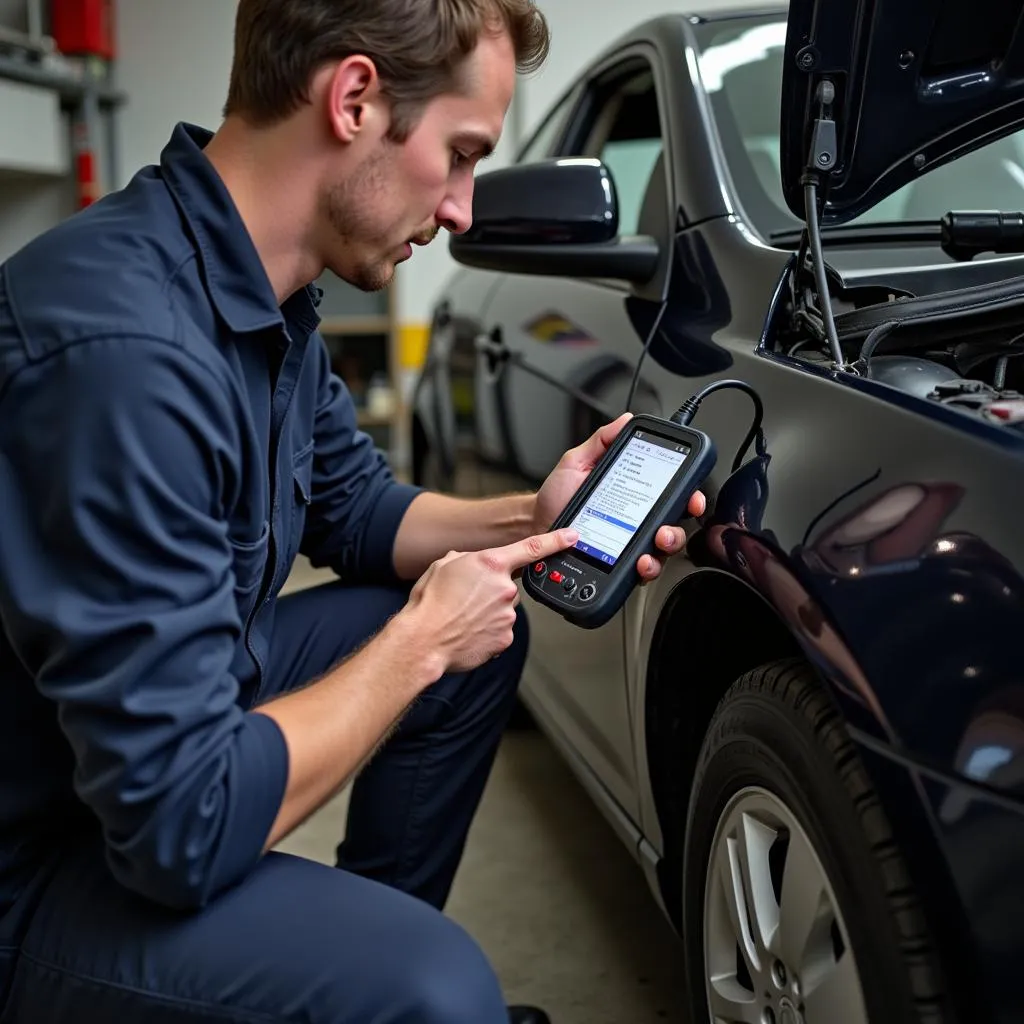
(532,549)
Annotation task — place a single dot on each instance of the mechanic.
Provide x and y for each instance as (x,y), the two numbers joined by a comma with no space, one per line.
(170,437)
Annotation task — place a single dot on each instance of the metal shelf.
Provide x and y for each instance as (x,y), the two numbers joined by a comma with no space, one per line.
(86,91)
(340,325)
(71,90)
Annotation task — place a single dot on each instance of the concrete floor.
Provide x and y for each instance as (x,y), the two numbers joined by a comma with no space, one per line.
(547,890)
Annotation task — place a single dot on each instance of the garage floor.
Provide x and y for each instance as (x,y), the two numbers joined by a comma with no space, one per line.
(547,890)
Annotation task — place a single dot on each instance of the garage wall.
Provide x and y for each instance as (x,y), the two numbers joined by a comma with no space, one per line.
(174,60)
(28,206)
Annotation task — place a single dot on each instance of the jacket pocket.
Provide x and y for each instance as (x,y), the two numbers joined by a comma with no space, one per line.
(302,471)
(295,517)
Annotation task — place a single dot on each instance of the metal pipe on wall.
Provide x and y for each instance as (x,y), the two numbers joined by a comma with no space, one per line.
(35,21)
(23,40)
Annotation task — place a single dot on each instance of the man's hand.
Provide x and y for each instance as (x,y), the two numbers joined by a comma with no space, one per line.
(574,467)
(466,603)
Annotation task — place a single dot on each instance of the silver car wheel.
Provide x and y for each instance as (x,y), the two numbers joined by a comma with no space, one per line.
(776,947)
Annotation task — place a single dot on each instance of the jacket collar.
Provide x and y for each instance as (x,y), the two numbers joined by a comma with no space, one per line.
(235,277)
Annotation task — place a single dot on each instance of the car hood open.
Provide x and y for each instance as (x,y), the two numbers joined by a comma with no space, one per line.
(917,83)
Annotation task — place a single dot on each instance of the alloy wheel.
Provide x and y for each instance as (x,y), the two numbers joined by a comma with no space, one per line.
(776,946)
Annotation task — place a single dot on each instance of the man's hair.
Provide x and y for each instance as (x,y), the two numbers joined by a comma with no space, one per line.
(419,48)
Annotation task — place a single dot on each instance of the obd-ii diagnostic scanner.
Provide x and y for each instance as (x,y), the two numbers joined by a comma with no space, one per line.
(643,482)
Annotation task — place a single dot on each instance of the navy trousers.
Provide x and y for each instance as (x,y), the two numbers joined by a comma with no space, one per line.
(364,942)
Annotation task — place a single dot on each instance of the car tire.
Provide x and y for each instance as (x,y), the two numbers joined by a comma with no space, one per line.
(823,924)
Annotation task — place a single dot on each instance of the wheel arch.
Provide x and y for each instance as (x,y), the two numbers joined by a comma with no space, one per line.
(696,636)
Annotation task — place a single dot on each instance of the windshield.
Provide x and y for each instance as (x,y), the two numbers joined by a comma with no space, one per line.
(741,66)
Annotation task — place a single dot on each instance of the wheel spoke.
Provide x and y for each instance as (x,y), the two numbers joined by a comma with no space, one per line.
(731,872)
(732,1004)
(758,839)
(833,994)
(803,906)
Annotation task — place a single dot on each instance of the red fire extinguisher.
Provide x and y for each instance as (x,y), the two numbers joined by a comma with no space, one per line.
(84,28)
(86,176)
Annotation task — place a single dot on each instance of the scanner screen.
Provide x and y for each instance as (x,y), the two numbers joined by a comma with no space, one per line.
(626,493)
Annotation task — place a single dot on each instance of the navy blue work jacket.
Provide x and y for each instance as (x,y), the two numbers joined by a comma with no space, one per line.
(170,438)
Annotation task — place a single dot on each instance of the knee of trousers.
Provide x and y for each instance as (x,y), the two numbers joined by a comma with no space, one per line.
(452,982)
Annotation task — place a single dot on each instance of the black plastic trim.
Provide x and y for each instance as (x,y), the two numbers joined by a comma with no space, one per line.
(630,259)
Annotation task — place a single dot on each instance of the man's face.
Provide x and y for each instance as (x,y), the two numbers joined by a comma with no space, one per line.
(402,194)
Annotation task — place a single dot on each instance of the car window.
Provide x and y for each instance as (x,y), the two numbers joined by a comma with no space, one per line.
(741,66)
(631,162)
(625,133)
(549,132)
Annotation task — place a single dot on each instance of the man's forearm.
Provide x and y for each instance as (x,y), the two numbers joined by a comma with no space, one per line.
(436,524)
(334,725)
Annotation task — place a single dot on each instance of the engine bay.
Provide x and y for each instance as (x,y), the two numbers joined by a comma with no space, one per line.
(959,350)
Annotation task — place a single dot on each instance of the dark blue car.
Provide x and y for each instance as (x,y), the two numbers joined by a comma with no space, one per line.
(810,729)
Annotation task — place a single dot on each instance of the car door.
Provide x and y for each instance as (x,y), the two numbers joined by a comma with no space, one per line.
(562,358)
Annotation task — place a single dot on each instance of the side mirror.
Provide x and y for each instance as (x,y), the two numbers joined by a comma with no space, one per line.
(555,217)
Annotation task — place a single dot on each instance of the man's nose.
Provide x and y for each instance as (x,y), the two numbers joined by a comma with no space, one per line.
(456,212)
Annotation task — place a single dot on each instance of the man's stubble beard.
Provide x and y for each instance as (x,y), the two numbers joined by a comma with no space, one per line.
(346,205)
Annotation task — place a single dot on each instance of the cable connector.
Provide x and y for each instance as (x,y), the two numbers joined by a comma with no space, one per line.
(685,413)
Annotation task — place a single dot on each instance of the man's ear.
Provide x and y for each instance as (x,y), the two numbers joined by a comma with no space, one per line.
(353,95)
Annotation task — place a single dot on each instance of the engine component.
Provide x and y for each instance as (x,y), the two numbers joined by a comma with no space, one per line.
(920,377)
(1003,407)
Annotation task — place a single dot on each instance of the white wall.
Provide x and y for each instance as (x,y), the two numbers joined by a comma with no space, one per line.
(29,205)
(174,60)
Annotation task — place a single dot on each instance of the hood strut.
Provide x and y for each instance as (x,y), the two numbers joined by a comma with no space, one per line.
(820,161)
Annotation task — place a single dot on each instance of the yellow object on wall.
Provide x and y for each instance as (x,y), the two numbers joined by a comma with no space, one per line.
(412,345)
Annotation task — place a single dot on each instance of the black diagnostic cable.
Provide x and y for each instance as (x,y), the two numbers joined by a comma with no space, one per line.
(685,413)
(643,355)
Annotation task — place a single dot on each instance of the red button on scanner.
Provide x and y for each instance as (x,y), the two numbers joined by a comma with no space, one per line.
(539,567)
(556,577)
